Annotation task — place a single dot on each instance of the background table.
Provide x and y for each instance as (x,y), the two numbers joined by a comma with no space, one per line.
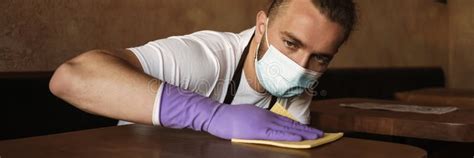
(457,126)
(438,96)
(147,141)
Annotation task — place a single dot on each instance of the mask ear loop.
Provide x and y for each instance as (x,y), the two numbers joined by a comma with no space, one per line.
(266,39)
(266,32)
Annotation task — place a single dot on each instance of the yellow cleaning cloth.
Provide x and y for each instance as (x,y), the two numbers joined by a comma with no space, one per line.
(279,109)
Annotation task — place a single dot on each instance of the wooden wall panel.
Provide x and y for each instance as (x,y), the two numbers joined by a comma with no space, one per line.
(461,55)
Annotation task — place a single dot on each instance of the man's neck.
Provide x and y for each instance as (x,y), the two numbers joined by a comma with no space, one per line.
(249,68)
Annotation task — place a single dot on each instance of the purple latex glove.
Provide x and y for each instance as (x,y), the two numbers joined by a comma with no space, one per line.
(183,109)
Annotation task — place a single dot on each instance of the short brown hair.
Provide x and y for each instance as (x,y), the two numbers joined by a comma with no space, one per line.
(342,12)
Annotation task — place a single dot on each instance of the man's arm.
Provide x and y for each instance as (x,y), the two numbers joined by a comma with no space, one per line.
(107,83)
(113,84)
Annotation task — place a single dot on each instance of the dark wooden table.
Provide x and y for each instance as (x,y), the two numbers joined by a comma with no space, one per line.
(147,141)
(457,126)
(438,96)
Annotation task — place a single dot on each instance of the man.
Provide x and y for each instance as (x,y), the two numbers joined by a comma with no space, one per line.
(217,82)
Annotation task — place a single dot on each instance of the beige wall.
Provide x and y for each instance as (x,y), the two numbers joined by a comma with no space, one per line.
(397,33)
(38,35)
(461,42)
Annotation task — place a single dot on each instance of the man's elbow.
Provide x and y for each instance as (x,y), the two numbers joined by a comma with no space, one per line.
(61,81)
(64,81)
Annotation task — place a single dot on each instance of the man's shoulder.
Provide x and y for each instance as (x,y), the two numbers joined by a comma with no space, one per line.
(246,32)
(239,39)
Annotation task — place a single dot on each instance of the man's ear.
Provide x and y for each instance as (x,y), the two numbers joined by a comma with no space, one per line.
(260,25)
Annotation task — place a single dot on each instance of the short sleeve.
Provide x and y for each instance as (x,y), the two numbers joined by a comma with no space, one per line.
(192,62)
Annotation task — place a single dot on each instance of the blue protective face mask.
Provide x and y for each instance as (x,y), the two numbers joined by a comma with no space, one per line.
(280,75)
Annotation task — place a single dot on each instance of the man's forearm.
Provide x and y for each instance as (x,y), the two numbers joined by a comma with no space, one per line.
(101,83)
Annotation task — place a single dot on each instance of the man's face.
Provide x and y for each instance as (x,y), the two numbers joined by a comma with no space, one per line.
(303,34)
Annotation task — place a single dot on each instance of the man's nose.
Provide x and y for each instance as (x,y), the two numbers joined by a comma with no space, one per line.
(304,60)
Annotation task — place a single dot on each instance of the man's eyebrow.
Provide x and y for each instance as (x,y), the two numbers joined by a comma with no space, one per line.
(294,38)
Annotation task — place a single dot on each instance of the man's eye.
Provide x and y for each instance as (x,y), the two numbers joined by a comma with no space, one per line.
(322,59)
(289,44)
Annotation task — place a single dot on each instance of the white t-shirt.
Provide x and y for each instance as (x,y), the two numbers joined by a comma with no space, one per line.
(204,62)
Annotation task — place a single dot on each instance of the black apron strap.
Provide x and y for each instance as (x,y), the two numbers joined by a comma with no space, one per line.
(234,84)
(272,102)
